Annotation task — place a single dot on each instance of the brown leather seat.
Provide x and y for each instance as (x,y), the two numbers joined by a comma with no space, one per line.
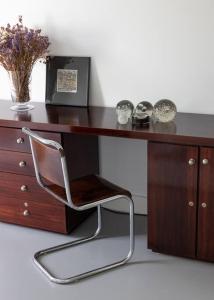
(89,189)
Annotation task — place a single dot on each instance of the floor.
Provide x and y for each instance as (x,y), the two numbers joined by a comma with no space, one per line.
(148,276)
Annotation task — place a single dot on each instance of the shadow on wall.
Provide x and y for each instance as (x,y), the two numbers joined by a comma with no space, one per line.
(95,86)
(124,162)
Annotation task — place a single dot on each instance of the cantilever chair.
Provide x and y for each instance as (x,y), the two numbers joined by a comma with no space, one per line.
(79,194)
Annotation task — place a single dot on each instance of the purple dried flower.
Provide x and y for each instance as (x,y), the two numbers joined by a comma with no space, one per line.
(21,47)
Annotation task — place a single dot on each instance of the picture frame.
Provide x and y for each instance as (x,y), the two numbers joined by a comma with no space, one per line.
(67,80)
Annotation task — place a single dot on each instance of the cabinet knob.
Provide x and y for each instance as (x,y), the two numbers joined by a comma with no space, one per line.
(22,163)
(20,140)
(23,188)
(191,203)
(26,204)
(205,161)
(191,161)
(26,212)
(204,205)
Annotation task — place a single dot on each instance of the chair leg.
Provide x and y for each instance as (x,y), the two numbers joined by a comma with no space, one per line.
(74,243)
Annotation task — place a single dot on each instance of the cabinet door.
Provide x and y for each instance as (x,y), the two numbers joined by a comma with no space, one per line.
(172,198)
(206,205)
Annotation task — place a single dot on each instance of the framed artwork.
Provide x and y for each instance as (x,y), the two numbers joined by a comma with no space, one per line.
(67,80)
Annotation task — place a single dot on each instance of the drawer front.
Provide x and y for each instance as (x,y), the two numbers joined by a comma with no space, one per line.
(24,189)
(29,206)
(14,140)
(16,162)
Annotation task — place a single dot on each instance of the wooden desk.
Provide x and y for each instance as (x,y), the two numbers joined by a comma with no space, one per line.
(180,172)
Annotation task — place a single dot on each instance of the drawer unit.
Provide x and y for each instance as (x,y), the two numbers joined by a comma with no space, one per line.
(22,200)
(14,140)
(16,162)
(25,189)
(35,215)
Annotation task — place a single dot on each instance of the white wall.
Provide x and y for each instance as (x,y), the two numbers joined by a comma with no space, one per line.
(140,49)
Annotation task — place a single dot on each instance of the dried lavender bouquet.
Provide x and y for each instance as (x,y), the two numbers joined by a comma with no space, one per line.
(20,48)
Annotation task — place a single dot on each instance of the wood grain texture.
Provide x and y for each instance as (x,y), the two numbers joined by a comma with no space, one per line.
(172,184)
(9,137)
(11,186)
(82,154)
(10,160)
(206,214)
(49,163)
(191,129)
(82,158)
(90,189)
(44,210)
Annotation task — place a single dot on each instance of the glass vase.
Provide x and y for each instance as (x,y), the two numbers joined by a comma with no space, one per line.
(20,90)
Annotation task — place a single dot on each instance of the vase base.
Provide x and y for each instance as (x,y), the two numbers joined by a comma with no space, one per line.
(22,107)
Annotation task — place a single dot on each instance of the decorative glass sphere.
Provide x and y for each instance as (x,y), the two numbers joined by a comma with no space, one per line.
(143,110)
(124,110)
(164,110)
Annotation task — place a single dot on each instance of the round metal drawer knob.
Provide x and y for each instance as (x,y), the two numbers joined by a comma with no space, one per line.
(22,163)
(205,161)
(191,204)
(26,213)
(204,205)
(20,141)
(23,188)
(191,161)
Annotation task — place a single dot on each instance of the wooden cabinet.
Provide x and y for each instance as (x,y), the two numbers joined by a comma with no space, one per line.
(205,239)
(180,190)
(22,201)
(180,200)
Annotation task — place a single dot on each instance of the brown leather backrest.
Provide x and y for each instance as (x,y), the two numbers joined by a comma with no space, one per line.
(49,163)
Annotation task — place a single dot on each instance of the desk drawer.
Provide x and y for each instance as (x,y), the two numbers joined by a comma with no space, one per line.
(16,162)
(32,207)
(14,140)
(24,189)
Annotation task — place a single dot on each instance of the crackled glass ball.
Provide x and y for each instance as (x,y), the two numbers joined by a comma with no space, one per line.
(143,110)
(164,111)
(124,110)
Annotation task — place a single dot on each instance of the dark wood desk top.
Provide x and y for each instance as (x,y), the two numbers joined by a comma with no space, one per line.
(192,129)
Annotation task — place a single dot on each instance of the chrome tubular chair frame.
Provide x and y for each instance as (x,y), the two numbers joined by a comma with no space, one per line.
(69,203)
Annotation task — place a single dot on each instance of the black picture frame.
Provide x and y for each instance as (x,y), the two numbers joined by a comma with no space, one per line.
(67,80)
